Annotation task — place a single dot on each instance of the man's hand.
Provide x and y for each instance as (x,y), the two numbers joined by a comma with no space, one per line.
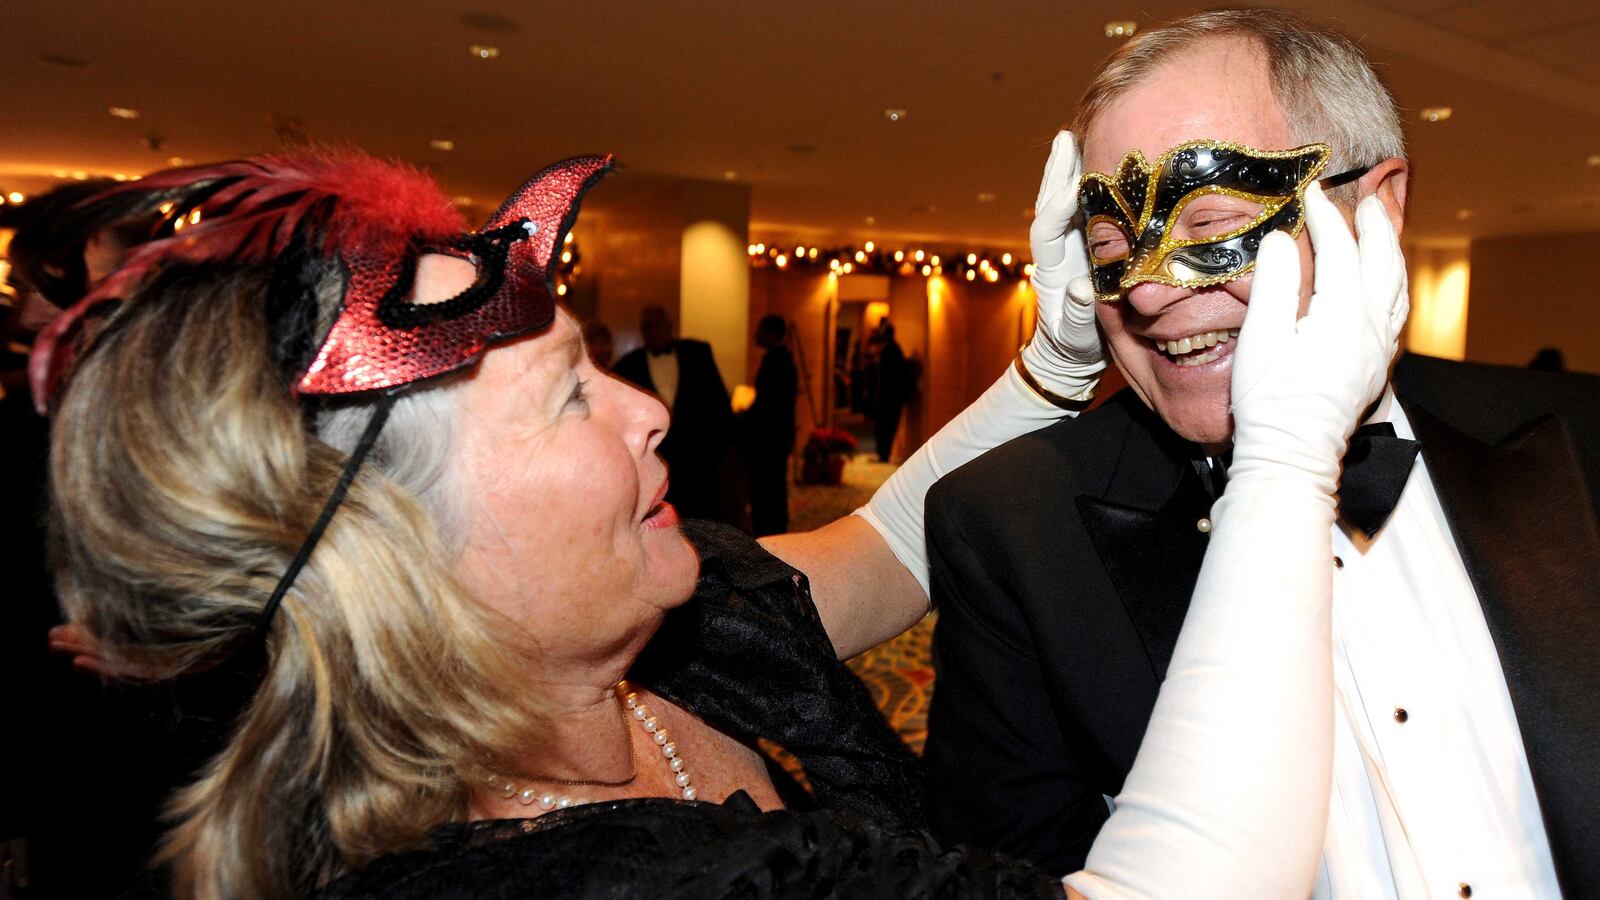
(1066,349)
(1300,386)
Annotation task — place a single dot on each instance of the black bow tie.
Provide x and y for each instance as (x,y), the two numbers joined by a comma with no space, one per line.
(1375,471)
(1376,467)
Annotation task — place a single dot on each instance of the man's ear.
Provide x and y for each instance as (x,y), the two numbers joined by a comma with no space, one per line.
(1390,181)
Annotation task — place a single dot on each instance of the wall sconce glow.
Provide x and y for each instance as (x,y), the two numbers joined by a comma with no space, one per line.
(972,259)
(782,261)
(861,256)
(1438,325)
(811,253)
(446,146)
(1005,259)
(566,256)
(1436,113)
(927,270)
(561,290)
(899,256)
(1123,28)
(484,51)
(935,260)
(972,274)
(869,246)
(124,112)
(919,256)
(17,197)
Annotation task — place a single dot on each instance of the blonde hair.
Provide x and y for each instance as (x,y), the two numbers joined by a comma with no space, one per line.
(1323,81)
(183,479)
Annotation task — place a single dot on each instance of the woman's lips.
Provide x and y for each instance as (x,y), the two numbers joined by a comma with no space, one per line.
(662,515)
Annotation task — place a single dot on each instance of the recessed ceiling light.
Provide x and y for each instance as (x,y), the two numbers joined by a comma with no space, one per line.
(484,51)
(730,175)
(986,197)
(1436,113)
(442,145)
(894,115)
(80,175)
(1594,159)
(124,112)
(461,200)
(177,161)
(16,197)
(871,220)
(1464,214)
(1124,28)
(59,173)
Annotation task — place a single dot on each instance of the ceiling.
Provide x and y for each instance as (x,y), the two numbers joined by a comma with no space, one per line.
(788,98)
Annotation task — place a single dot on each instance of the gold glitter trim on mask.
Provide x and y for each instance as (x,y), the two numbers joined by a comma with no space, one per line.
(1152,266)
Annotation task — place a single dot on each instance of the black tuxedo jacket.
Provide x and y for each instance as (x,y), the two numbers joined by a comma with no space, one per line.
(698,447)
(1063,562)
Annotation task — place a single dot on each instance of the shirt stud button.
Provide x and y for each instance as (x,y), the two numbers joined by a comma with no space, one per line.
(1400,715)
(1465,890)
(1203,526)
(1338,562)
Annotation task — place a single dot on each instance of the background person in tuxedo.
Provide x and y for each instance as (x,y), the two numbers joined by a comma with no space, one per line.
(707,481)
(767,429)
(1466,603)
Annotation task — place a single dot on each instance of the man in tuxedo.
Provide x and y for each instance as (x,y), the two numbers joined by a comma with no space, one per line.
(1467,576)
(767,429)
(707,481)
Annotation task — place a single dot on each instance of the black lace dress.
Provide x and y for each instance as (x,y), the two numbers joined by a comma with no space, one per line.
(749,656)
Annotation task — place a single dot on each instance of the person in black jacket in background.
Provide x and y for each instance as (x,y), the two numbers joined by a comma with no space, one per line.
(706,482)
(768,429)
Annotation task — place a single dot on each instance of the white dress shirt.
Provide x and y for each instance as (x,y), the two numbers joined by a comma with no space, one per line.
(1432,795)
(664,374)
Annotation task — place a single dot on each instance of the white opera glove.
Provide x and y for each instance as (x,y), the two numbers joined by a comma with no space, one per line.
(1228,796)
(1065,355)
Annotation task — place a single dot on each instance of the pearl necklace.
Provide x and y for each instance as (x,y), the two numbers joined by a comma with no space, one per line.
(547,800)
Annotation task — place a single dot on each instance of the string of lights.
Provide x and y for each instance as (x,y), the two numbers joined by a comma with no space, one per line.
(870,258)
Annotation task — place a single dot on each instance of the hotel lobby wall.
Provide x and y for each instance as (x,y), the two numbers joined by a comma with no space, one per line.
(1533,291)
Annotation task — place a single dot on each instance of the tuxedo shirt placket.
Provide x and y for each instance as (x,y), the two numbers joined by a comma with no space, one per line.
(1431,788)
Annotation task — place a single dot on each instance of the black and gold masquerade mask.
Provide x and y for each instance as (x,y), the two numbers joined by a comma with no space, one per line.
(1196,216)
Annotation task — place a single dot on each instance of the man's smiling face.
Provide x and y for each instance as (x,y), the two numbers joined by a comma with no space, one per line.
(1175,344)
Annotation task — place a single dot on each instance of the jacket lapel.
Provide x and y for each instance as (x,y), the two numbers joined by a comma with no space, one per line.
(1524,524)
(1146,529)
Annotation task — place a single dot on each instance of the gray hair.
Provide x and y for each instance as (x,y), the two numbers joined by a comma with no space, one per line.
(413,451)
(1322,79)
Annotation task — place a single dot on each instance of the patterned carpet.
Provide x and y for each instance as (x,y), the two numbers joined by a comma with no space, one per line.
(899,673)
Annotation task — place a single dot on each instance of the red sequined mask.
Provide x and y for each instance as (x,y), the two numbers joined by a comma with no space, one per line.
(377,219)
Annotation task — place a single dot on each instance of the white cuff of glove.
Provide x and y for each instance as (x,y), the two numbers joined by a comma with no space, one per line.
(1008,409)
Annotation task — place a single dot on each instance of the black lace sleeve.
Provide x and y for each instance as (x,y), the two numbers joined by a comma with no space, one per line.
(749,655)
(665,849)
